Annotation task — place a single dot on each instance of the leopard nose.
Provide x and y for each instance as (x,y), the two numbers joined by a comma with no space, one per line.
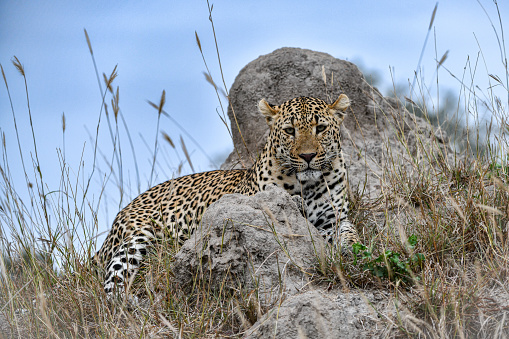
(307,156)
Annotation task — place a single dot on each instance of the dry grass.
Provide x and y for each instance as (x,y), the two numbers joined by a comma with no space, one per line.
(459,211)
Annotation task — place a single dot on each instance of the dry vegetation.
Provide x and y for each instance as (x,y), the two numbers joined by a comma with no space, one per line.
(456,215)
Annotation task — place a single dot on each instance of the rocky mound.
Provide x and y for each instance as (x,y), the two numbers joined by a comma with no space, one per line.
(316,314)
(260,242)
(264,247)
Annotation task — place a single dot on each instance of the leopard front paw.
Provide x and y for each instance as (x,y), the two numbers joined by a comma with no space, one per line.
(297,199)
(348,236)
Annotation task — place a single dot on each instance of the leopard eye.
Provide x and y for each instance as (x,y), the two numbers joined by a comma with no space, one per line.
(290,130)
(320,128)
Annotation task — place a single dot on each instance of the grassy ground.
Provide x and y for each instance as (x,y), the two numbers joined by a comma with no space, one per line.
(436,239)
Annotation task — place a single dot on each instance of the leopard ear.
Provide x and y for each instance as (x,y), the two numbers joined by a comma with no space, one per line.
(339,106)
(268,111)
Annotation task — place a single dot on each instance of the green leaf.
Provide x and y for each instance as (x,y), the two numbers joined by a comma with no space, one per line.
(357,247)
(412,240)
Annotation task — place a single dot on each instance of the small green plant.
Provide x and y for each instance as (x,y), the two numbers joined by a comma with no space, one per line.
(389,264)
(499,167)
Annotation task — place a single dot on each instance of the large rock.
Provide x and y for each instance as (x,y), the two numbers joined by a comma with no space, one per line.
(320,315)
(260,242)
(262,246)
(377,131)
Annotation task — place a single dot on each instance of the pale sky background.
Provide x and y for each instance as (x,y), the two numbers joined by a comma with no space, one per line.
(153,44)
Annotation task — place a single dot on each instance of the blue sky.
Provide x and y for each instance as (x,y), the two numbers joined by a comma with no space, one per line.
(153,45)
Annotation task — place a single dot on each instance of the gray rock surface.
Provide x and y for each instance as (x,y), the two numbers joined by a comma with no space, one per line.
(377,131)
(316,314)
(262,246)
(254,242)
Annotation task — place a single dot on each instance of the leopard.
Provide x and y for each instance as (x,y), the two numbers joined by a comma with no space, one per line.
(302,155)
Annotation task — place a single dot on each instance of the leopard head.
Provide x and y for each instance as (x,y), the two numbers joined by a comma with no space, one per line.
(304,134)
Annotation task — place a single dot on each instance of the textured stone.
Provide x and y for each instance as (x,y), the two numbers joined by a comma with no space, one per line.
(254,242)
(320,315)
